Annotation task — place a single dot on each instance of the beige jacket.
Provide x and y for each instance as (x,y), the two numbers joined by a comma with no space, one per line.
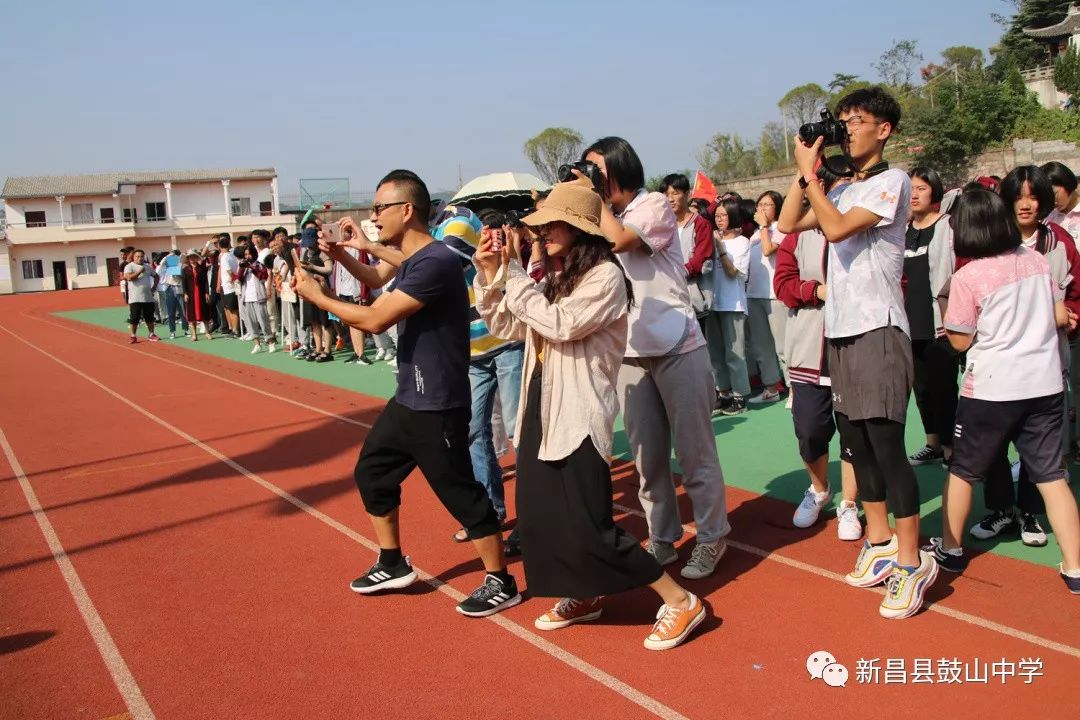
(583,338)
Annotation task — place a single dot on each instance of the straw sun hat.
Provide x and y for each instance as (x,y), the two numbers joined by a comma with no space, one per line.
(571,203)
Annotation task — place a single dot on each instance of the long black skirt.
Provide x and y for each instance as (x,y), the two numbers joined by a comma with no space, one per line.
(570,543)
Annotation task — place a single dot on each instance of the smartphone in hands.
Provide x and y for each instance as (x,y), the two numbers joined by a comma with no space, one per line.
(331,233)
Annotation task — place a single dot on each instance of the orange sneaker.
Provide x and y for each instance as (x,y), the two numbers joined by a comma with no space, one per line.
(567,612)
(673,625)
(340,344)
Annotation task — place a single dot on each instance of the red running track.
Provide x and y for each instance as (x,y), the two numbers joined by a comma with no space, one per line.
(209,516)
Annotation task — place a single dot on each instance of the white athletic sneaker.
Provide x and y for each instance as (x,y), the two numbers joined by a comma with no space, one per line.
(810,508)
(255,350)
(848,526)
(271,348)
(380,355)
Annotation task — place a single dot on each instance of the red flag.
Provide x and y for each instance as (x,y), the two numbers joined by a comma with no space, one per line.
(703,187)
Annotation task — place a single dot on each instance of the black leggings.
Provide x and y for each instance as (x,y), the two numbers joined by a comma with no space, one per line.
(875,448)
(935,386)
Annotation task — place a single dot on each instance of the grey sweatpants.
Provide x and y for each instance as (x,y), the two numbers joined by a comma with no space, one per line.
(258,320)
(668,401)
(725,332)
(761,345)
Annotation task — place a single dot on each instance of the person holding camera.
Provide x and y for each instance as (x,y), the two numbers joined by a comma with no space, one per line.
(665,382)
(869,350)
(252,276)
(426,424)
(574,324)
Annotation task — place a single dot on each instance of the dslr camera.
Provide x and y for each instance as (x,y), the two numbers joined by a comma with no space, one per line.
(586,168)
(513,217)
(829,128)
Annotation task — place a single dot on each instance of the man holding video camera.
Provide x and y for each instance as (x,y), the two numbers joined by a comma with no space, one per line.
(869,351)
(426,424)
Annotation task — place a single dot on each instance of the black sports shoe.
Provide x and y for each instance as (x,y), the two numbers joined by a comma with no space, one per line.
(736,406)
(383,577)
(1031,532)
(994,524)
(946,560)
(491,597)
(927,455)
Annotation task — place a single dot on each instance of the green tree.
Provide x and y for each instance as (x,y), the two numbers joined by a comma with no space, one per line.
(771,154)
(728,156)
(552,148)
(801,104)
(896,66)
(963,57)
(840,81)
(1067,73)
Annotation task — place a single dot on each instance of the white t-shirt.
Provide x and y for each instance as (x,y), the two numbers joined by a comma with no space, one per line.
(729,293)
(662,322)
(287,294)
(1007,302)
(759,284)
(687,239)
(228,265)
(344,282)
(863,285)
(254,289)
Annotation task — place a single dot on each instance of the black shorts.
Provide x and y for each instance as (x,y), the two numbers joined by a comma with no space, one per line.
(141,311)
(812,415)
(230,301)
(438,443)
(871,374)
(311,314)
(984,428)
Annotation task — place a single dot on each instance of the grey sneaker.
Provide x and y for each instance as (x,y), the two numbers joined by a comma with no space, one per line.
(703,560)
(664,552)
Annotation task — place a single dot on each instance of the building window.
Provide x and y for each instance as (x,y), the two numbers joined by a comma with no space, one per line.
(266,208)
(82,213)
(32,270)
(108,215)
(35,218)
(155,211)
(86,265)
(241,206)
(129,215)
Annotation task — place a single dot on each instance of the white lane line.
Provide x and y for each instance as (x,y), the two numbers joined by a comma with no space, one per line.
(933,607)
(250,388)
(752,549)
(591,671)
(114,661)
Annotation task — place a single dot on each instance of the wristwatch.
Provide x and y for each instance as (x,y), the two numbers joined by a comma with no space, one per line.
(803,182)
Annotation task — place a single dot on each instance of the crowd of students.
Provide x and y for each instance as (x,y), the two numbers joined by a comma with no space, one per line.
(242,289)
(853,290)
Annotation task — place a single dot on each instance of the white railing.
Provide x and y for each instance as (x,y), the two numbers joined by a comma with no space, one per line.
(1042,72)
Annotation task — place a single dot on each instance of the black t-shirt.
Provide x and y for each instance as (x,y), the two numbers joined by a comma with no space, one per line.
(433,343)
(918,298)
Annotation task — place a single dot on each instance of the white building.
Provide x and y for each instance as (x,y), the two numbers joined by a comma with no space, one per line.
(1058,39)
(65,231)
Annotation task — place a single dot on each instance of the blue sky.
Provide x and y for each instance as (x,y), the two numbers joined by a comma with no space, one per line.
(353,89)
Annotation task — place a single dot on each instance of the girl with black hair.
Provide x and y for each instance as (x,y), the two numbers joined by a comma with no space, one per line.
(725,327)
(767,315)
(1002,399)
(1028,191)
(574,324)
(196,289)
(1066,212)
(252,278)
(928,264)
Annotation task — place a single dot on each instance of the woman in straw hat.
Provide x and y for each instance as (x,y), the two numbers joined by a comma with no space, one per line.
(574,324)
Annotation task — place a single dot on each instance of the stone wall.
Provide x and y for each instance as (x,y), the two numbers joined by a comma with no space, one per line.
(994,162)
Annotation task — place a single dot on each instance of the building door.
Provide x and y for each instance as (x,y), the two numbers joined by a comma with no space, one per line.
(59,271)
(112,269)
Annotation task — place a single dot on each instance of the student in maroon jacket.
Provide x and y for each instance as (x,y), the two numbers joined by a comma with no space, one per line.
(799,283)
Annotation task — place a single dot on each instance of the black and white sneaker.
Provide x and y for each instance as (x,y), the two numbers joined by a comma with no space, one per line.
(926,456)
(951,561)
(1031,532)
(994,524)
(491,597)
(383,577)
